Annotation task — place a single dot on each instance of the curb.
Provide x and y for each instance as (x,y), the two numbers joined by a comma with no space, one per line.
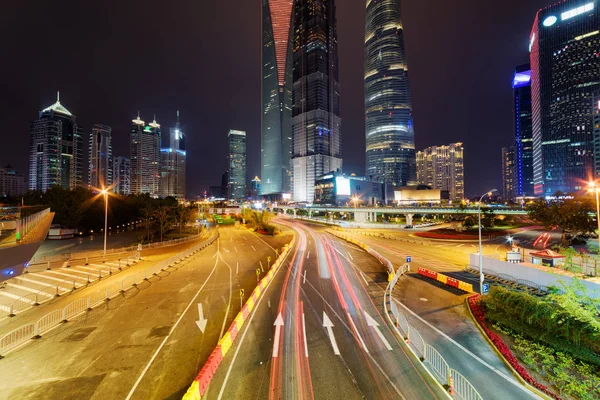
(504,360)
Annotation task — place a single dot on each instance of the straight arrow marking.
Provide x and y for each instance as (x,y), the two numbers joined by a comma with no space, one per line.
(375,325)
(327,324)
(278,324)
(201,320)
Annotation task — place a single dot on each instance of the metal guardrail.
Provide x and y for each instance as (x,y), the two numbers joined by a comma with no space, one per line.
(509,280)
(23,334)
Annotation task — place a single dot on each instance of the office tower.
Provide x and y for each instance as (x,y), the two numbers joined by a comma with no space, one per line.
(597,135)
(56,149)
(236,172)
(11,183)
(388,109)
(442,167)
(122,176)
(276,141)
(255,188)
(173,162)
(316,124)
(523,147)
(565,71)
(508,173)
(145,157)
(100,172)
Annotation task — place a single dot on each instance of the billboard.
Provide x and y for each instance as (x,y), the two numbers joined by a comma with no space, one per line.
(342,186)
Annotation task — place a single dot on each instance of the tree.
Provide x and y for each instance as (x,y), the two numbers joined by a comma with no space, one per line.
(163,219)
(183,215)
(570,215)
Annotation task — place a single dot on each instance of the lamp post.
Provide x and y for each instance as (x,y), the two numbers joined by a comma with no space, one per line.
(105,193)
(355,200)
(595,188)
(481,277)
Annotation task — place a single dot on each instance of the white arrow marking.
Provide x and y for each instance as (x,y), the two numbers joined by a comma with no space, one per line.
(327,324)
(375,325)
(201,320)
(278,324)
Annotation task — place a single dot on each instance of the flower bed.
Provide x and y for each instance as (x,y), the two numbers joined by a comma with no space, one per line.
(479,313)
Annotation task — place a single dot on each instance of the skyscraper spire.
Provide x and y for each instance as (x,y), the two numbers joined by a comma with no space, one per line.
(58,96)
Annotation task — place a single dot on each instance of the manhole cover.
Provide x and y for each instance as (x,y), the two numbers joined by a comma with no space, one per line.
(423,299)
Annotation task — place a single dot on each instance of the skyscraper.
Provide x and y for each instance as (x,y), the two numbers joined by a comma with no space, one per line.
(122,176)
(55,149)
(316,124)
(565,71)
(11,182)
(442,167)
(597,135)
(508,173)
(388,109)
(100,172)
(236,165)
(523,147)
(145,157)
(276,144)
(173,163)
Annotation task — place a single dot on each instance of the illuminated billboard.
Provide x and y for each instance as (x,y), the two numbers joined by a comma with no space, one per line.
(342,186)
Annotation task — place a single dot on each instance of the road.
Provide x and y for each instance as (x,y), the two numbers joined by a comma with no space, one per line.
(145,344)
(354,355)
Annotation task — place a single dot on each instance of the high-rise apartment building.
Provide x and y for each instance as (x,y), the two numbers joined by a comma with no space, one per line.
(236,171)
(173,164)
(11,183)
(388,109)
(55,149)
(508,173)
(597,136)
(276,140)
(122,176)
(316,122)
(442,167)
(523,147)
(145,157)
(100,171)
(255,188)
(565,72)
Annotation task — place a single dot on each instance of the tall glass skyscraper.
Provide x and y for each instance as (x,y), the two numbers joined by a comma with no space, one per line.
(236,171)
(276,134)
(55,149)
(523,148)
(388,108)
(100,172)
(565,72)
(316,124)
(144,143)
(173,164)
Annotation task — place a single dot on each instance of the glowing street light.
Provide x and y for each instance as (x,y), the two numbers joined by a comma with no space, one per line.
(105,193)
(355,200)
(594,188)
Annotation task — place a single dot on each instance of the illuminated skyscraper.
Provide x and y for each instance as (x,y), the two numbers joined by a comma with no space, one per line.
(316,122)
(55,149)
(523,148)
(173,163)
(597,135)
(145,157)
(388,108)
(100,172)
(565,72)
(236,172)
(276,96)
(508,173)
(442,167)
(122,176)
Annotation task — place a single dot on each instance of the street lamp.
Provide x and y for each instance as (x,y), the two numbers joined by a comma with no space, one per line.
(481,277)
(355,200)
(105,193)
(594,188)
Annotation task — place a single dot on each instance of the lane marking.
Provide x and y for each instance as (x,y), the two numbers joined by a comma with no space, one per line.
(357,333)
(235,248)
(261,266)
(375,325)
(253,248)
(230,294)
(304,332)
(304,281)
(237,267)
(192,302)
(350,255)
(308,255)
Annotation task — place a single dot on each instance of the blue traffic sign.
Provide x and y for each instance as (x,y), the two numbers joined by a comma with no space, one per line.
(408,259)
(485,288)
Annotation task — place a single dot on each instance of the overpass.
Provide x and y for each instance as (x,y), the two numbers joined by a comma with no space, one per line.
(369,214)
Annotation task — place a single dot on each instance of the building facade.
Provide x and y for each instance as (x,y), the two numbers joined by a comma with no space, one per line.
(55,149)
(11,183)
(255,188)
(122,176)
(173,164)
(276,136)
(236,165)
(442,167)
(390,137)
(597,136)
(316,122)
(508,173)
(565,72)
(100,171)
(145,143)
(523,162)
(340,190)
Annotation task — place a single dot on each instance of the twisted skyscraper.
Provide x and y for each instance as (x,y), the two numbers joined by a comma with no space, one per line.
(388,108)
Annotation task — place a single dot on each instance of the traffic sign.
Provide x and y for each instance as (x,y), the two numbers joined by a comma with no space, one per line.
(485,288)
(242,293)
(408,259)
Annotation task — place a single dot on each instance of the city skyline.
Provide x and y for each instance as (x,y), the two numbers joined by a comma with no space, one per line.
(187,85)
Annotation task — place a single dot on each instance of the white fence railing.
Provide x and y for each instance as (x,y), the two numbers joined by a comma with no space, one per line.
(27,224)
(26,332)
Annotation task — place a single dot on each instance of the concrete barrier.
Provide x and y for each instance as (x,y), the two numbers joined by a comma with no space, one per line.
(446,280)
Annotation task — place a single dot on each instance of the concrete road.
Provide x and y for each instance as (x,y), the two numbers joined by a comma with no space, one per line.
(145,344)
(330,340)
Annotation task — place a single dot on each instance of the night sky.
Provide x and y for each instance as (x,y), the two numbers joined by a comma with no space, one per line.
(110,58)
